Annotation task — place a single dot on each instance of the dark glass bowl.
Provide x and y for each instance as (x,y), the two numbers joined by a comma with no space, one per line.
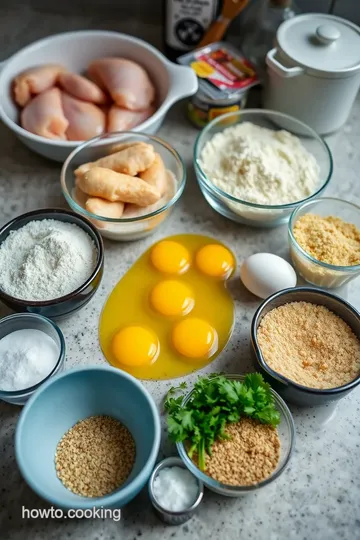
(64,306)
(290,390)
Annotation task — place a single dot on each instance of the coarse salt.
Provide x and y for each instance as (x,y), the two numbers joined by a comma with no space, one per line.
(175,489)
(26,357)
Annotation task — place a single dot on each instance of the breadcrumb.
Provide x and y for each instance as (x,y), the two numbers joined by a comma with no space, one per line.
(310,345)
(248,457)
(328,239)
(95,456)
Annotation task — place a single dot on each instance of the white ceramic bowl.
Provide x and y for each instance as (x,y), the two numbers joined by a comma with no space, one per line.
(75,50)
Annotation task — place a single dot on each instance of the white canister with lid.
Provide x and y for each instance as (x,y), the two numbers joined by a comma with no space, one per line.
(314,71)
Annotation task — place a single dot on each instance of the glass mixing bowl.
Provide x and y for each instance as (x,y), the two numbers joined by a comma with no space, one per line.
(248,213)
(124,228)
(313,271)
(286,432)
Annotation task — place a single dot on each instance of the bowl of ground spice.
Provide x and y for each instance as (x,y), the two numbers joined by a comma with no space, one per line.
(324,238)
(233,432)
(88,438)
(307,344)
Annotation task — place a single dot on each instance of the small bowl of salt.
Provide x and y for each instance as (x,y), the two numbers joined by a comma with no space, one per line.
(32,349)
(175,493)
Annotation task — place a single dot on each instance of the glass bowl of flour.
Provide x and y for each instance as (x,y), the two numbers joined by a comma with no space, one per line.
(256,166)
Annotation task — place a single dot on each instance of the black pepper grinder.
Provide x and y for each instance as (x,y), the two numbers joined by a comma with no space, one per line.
(185,23)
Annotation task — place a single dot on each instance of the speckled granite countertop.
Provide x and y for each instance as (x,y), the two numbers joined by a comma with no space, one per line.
(318,495)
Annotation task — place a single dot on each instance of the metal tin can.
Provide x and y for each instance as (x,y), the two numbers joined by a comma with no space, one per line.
(202,109)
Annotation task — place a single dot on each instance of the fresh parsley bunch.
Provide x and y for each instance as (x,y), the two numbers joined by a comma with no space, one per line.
(215,402)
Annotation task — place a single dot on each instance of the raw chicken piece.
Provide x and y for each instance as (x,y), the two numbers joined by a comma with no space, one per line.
(34,81)
(85,119)
(129,160)
(120,119)
(127,82)
(156,175)
(82,88)
(44,115)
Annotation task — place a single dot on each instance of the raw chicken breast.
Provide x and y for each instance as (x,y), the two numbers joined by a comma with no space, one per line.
(34,81)
(86,120)
(82,88)
(120,119)
(127,82)
(44,115)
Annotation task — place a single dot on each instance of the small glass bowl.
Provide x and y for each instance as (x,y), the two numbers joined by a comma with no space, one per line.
(127,228)
(286,432)
(32,321)
(248,213)
(319,273)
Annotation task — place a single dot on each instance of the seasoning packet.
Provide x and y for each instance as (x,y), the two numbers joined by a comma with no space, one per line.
(222,70)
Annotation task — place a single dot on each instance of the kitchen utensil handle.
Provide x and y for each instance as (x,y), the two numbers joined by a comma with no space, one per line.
(183,81)
(279,68)
(215,32)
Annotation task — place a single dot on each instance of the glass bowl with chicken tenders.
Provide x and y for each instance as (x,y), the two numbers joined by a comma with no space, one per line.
(125,183)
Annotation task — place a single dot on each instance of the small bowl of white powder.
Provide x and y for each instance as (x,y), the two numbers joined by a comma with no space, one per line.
(174,491)
(32,349)
(253,171)
(51,262)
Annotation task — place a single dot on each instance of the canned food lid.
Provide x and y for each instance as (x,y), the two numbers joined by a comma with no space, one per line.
(234,98)
(323,43)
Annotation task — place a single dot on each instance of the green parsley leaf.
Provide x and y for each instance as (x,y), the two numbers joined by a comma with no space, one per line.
(215,402)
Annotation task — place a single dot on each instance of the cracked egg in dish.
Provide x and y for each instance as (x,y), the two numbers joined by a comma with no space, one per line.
(171,313)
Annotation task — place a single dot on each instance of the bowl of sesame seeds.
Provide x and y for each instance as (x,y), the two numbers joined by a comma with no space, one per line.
(306,342)
(88,438)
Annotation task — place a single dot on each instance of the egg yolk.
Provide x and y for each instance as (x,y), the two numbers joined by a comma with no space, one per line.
(170,257)
(215,261)
(195,338)
(171,298)
(135,346)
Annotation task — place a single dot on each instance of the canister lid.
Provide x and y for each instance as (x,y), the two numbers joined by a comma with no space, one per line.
(321,43)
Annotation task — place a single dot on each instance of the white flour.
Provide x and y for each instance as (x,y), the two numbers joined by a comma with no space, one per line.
(259,165)
(45,259)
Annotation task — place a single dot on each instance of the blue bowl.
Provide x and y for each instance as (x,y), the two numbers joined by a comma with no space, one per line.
(73,396)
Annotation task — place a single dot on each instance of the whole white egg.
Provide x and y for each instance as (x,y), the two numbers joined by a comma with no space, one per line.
(265,274)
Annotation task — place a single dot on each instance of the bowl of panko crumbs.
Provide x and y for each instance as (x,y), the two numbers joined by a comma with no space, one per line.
(324,241)
(307,344)
(249,451)
(88,438)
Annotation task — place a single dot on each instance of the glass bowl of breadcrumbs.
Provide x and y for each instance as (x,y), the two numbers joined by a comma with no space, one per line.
(307,344)
(254,455)
(324,240)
